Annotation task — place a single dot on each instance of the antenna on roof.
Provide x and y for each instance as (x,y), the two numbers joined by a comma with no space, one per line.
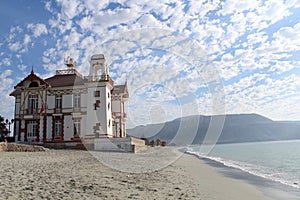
(32,71)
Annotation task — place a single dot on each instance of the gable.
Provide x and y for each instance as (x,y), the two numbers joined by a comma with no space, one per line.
(33,80)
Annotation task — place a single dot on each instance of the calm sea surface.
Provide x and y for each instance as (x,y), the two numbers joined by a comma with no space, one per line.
(276,161)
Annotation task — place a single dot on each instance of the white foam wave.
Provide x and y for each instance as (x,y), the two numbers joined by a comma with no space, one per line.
(264,172)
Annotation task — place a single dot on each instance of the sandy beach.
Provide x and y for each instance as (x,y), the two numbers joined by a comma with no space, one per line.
(70,174)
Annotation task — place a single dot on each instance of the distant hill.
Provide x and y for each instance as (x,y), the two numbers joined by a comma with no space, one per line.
(237,128)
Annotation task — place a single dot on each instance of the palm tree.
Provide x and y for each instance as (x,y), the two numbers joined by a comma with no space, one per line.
(3,129)
(9,123)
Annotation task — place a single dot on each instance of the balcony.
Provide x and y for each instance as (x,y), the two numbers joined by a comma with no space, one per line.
(57,110)
(102,78)
(118,115)
(76,109)
(31,111)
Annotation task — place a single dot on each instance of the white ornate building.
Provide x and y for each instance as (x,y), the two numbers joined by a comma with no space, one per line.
(68,107)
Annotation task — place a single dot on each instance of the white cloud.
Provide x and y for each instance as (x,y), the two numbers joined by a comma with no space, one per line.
(287,38)
(6,61)
(273,11)
(71,40)
(22,67)
(15,46)
(37,29)
(86,23)
(27,39)
(232,6)
(261,94)
(6,83)
(16,29)
(239,41)
(48,6)
(70,8)
(292,3)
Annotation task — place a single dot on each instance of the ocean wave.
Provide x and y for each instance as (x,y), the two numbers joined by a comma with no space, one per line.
(260,171)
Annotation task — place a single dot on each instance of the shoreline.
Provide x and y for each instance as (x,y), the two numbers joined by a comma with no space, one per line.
(71,174)
(218,185)
(269,188)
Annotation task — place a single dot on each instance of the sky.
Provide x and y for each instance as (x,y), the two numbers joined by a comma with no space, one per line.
(178,57)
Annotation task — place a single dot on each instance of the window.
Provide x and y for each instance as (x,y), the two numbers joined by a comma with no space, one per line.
(108,95)
(76,100)
(97,104)
(108,106)
(57,129)
(76,127)
(97,93)
(33,103)
(32,129)
(58,102)
(33,84)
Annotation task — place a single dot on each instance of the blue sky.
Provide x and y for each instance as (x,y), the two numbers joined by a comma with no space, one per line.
(179,57)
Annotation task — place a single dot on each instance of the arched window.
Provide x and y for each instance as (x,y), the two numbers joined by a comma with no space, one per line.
(33,84)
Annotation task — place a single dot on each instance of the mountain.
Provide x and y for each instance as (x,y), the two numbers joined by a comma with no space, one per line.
(237,128)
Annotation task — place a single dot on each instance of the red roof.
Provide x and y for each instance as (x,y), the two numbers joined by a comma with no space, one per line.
(55,81)
(65,80)
(15,92)
(32,77)
(120,89)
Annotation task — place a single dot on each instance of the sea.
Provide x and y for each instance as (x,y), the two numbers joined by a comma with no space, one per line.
(273,167)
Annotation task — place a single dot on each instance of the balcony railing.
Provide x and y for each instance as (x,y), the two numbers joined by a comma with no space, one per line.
(34,112)
(101,78)
(77,109)
(118,114)
(31,111)
(58,110)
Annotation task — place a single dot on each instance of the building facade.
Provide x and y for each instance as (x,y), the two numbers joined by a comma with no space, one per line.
(69,107)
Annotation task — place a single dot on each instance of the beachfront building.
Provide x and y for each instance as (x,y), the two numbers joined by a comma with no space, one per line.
(69,107)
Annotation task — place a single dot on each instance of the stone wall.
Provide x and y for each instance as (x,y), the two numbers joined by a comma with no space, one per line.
(119,144)
(3,146)
(20,147)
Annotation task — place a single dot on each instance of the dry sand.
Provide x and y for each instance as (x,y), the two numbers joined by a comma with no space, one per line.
(69,174)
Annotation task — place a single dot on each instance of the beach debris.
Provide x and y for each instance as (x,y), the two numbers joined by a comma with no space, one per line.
(72,183)
(87,187)
(140,188)
(177,188)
